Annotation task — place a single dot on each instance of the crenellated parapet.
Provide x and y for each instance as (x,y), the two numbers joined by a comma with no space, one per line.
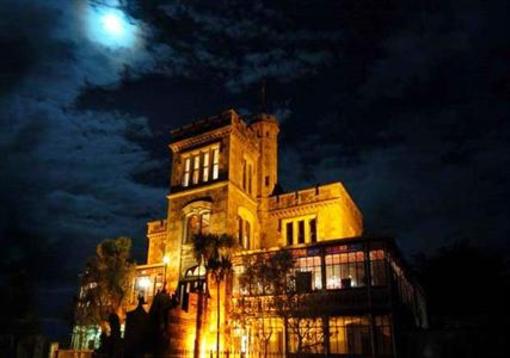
(156,236)
(157,226)
(330,207)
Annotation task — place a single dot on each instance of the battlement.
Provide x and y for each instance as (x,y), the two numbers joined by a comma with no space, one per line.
(307,196)
(201,126)
(156,227)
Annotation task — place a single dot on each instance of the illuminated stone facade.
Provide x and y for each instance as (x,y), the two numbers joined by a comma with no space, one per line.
(241,185)
(224,180)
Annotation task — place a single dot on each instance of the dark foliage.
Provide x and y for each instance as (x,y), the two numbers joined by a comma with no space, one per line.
(465,285)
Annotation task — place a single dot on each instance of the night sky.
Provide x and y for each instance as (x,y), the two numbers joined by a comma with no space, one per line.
(407,103)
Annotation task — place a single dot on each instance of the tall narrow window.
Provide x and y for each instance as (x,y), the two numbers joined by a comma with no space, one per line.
(243,185)
(204,225)
(192,227)
(240,230)
(216,163)
(290,232)
(187,168)
(205,167)
(250,176)
(301,231)
(196,169)
(313,230)
(197,224)
(247,241)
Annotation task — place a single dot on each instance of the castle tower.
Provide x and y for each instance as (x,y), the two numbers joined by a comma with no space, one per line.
(267,129)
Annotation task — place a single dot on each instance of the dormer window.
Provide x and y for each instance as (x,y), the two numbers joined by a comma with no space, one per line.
(198,167)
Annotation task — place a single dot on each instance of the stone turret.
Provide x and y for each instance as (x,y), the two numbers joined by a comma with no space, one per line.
(267,128)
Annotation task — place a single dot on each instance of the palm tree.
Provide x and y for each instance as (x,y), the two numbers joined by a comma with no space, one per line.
(214,252)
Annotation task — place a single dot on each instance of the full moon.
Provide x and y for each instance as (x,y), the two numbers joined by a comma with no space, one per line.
(111,27)
(113,24)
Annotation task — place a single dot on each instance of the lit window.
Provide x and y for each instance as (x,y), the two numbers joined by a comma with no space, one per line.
(187,168)
(216,163)
(244,233)
(345,270)
(192,227)
(247,236)
(306,335)
(349,335)
(144,287)
(197,224)
(196,169)
(312,265)
(378,268)
(205,168)
(204,223)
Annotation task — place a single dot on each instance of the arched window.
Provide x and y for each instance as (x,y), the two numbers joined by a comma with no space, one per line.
(244,228)
(196,219)
(192,226)
(197,223)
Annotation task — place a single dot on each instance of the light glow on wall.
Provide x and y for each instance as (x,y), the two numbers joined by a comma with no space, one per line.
(144,282)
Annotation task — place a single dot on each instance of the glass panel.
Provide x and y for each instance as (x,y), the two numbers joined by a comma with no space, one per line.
(247,234)
(313,265)
(205,169)
(204,229)
(306,335)
(216,163)
(196,169)
(349,335)
(187,165)
(192,227)
(345,270)
(383,337)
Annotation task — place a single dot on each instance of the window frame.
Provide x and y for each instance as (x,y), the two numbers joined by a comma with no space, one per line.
(306,234)
(200,166)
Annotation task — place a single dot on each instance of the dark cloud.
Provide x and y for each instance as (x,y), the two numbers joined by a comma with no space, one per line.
(405,104)
(68,175)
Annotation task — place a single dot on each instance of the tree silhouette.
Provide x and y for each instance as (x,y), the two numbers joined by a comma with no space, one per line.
(215,253)
(105,282)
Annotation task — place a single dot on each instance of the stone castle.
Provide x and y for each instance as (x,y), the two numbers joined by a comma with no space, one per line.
(224,180)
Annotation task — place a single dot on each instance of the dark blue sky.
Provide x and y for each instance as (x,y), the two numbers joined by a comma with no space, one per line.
(406,103)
